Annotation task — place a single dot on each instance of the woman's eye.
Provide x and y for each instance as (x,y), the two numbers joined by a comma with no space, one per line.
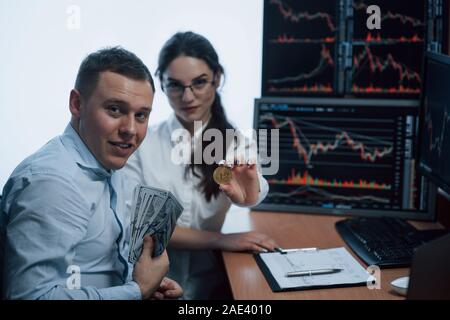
(173,85)
(199,82)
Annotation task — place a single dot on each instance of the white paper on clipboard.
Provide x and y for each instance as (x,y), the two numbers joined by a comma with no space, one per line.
(312,259)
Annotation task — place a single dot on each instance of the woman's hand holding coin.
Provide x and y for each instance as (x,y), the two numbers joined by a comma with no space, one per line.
(238,181)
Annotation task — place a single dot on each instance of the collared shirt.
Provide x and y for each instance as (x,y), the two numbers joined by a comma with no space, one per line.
(153,165)
(62,212)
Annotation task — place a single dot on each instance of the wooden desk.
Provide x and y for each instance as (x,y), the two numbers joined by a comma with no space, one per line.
(296,231)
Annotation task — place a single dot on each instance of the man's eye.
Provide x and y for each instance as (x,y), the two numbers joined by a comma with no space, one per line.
(114,109)
(142,116)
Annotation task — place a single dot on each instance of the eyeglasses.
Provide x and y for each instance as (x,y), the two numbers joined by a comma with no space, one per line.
(198,87)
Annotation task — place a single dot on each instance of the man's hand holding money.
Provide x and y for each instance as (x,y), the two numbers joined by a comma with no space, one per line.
(148,271)
(154,212)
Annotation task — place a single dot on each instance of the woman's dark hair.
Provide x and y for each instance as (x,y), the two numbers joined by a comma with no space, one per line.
(193,45)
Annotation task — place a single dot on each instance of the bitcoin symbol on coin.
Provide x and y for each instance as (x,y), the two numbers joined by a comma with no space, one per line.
(222,175)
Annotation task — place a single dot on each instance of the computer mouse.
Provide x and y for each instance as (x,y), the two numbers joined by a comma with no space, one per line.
(400,285)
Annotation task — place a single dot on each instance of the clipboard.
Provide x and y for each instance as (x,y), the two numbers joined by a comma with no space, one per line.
(275,265)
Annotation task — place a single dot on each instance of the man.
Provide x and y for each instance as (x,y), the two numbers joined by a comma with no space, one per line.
(62,209)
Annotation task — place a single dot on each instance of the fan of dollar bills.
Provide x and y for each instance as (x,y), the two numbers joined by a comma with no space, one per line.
(154,212)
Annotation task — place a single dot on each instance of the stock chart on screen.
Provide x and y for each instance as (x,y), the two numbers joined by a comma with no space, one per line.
(435,127)
(343,156)
(388,61)
(300,47)
(324,47)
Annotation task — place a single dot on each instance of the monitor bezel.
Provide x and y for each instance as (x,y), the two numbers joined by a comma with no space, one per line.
(429,215)
(424,168)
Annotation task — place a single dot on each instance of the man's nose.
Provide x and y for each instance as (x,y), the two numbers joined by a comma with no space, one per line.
(128,126)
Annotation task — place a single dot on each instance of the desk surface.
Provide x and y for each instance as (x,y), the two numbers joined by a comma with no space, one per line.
(296,231)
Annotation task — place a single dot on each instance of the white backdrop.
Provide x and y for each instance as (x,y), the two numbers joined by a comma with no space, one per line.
(42,43)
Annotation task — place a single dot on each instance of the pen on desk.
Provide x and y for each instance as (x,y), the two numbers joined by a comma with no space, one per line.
(284,251)
(278,249)
(311,272)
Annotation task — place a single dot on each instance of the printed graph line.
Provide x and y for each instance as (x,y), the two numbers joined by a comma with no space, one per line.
(325,61)
(291,16)
(309,149)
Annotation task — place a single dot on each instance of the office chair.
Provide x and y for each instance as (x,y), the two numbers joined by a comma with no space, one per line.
(430,277)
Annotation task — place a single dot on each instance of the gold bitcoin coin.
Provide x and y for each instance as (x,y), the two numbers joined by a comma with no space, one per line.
(222,175)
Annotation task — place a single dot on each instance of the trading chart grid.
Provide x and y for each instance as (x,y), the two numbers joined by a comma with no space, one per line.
(342,155)
(324,48)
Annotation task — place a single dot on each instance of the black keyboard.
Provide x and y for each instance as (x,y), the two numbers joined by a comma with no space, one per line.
(385,242)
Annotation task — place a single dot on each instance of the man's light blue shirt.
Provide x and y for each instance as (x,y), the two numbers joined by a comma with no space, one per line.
(60,211)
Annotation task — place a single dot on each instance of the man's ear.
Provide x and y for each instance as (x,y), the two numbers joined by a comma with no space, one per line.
(75,103)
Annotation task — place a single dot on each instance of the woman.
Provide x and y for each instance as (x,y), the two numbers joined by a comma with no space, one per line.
(190,74)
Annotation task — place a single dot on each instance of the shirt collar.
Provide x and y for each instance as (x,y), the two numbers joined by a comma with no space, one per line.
(174,123)
(81,154)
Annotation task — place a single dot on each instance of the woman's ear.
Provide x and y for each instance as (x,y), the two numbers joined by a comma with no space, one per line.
(217,79)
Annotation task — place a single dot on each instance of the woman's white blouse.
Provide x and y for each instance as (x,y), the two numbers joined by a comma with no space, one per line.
(153,165)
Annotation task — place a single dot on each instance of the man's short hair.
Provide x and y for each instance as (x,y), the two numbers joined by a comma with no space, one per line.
(115,59)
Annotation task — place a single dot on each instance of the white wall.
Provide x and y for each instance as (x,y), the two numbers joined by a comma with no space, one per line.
(40,53)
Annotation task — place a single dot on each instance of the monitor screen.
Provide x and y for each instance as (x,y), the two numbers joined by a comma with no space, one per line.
(306,29)
(326,48)
(434,159)
(386,62)
(342,156)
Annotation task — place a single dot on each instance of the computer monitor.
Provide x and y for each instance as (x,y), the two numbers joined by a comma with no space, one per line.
(343,157)
(434,143)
